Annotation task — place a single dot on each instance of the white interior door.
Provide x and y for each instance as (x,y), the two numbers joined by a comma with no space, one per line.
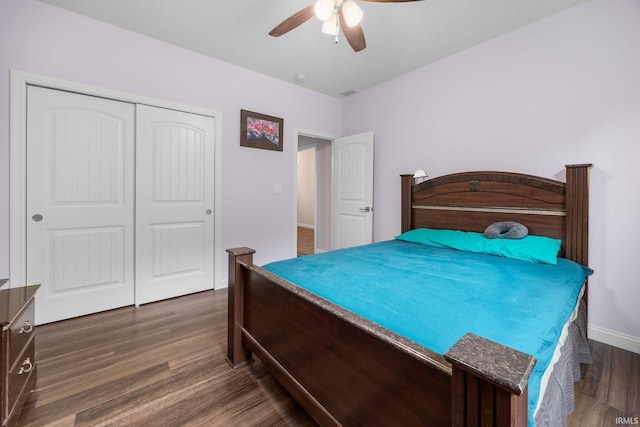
(174,203)
(80,193)
(352,218)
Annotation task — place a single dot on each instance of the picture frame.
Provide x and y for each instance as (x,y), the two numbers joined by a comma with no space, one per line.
(261,131)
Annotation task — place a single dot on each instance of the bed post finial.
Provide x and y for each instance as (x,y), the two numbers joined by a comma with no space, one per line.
(483,389)
(405,207)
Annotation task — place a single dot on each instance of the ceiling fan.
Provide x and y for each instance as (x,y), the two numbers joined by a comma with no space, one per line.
(336,15)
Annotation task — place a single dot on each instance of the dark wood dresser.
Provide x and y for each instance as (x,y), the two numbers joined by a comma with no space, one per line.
(17,350)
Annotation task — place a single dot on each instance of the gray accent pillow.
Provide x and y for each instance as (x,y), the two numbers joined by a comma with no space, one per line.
(506,229)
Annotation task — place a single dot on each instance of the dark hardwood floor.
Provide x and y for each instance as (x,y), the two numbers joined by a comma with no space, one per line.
(305,241)
(609,390)
(162,364)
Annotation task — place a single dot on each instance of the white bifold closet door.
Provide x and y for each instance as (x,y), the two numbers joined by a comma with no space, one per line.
(80,203)
(174,203)
(90,244)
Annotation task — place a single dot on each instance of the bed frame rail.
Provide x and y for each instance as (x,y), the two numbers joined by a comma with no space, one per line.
(343,369)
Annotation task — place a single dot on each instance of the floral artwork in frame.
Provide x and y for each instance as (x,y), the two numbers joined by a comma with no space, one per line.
(260,131)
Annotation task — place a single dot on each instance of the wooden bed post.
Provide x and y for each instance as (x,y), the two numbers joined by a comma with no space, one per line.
(405,194)
(489,383)
(577,206)
(237,353)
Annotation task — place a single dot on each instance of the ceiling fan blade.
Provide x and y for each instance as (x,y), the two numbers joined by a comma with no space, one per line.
(389,1)
(354,35)
(295,20)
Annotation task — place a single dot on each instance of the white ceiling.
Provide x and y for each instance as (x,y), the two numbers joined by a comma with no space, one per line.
(400,36)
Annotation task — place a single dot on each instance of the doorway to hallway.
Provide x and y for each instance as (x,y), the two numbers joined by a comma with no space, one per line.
(313,204)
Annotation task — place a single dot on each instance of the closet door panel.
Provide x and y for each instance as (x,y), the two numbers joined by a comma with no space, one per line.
(80,227)
(174,203)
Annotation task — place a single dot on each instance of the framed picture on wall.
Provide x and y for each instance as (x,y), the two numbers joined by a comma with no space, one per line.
(260,131)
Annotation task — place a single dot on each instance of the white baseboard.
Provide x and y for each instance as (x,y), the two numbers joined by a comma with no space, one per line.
(616,339)
(223,284)
(319,251)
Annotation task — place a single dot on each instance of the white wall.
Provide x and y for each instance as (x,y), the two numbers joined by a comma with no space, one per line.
(41,39)
(563,90)
(307,186)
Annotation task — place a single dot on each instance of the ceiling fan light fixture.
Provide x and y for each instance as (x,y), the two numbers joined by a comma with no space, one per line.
(352,13)
(330,25)
(324,8)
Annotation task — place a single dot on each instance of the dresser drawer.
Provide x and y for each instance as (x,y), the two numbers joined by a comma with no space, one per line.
(17,341)
(21,372)
(21,331)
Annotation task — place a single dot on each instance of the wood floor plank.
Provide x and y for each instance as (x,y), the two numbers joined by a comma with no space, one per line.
(609,388)
(163,364)
(306,241)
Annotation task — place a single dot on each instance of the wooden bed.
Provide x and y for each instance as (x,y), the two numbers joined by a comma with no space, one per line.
(346,370)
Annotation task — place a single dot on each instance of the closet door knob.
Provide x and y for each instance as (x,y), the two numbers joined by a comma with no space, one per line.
(37,217)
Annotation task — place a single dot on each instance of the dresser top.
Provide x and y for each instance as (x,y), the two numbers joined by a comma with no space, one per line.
(12,300)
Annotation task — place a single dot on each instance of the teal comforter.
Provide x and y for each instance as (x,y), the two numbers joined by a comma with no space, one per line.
(433,296)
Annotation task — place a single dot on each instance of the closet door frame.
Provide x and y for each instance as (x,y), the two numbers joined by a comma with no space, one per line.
(18,162)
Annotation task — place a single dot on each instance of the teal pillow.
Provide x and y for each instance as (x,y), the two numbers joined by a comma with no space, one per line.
(531,248)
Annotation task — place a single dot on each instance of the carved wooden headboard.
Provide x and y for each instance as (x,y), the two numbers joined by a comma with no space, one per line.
(471,201)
